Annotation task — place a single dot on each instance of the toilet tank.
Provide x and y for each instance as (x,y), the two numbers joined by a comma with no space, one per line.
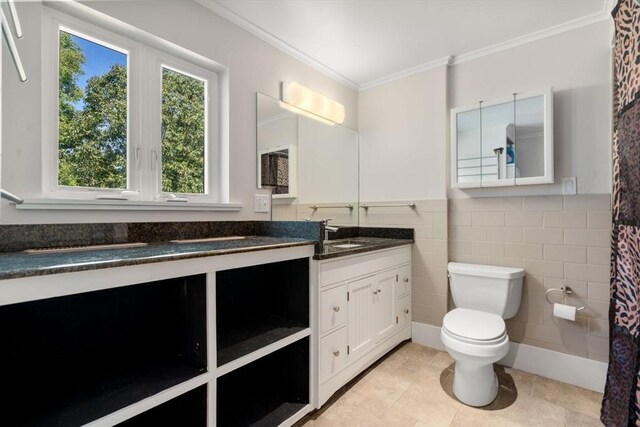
(486,288)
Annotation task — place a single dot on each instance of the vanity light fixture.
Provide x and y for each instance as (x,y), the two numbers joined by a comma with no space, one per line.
(305,113)
(301,100)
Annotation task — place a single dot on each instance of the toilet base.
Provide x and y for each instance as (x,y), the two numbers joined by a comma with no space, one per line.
(475,384)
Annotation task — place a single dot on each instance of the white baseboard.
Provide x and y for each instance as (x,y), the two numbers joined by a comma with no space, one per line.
(581,372)
(427,335)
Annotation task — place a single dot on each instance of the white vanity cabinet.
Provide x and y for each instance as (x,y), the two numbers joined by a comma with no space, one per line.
(364,311)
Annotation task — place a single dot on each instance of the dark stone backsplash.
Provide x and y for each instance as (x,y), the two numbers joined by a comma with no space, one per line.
(377,232)
(308,230)
(152,232)
(20,237)
(15,238)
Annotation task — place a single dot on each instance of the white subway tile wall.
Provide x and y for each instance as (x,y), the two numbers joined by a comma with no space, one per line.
(284,212)
(559,240)
(429,259)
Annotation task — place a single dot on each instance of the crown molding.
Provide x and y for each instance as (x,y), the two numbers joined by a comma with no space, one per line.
(408,72)
(266,36)
(535,36)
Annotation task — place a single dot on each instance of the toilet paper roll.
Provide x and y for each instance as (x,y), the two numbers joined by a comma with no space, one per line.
(564,311)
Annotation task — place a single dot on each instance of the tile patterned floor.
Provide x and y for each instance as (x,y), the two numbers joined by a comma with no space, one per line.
(412,387)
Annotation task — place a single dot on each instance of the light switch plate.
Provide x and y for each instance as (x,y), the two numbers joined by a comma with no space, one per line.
(262,202)
(569,185)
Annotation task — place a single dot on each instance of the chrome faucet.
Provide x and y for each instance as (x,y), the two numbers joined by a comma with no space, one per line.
(328,228)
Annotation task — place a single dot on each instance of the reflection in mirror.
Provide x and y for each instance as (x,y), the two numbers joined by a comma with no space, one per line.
(503,143)
(321,165)
(497,143)
(276,171)
(469,149)
(529,148)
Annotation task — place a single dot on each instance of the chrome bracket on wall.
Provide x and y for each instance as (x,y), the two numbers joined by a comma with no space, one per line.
(8,36)
(10,197)
(390,205)
(316,207)
(565,290)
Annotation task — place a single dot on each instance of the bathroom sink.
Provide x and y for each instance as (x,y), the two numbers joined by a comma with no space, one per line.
(345,243)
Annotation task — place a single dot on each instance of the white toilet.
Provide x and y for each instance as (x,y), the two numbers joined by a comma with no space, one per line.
(474,333)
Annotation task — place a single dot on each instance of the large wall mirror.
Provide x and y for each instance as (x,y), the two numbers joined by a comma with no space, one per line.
(503,143)
(310,167)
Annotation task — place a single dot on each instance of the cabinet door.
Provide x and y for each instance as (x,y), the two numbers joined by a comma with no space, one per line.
(404,281)
(359,326)
(384,318)
(403,310)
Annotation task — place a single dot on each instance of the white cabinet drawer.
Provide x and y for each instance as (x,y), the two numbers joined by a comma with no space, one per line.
(333,308)
(404,280)
(333,354)
(403,310)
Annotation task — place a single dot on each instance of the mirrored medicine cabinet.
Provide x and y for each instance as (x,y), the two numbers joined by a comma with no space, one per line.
(310,167)
(503,143)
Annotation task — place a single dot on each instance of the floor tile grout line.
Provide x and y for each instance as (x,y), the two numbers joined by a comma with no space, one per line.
(454,417)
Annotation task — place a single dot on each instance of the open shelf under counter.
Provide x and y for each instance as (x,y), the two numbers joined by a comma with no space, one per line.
(253,332)
(259,306)
(75,359)
(268,391)
(186,410)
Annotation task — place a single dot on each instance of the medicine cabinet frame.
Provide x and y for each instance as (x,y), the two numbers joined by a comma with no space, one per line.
(548,145)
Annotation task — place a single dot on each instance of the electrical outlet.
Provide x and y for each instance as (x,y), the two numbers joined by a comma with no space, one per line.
(569,185)
(262,202)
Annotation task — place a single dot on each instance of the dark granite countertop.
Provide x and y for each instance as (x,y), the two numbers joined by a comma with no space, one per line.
(20,264)
(365,244)
(263,235)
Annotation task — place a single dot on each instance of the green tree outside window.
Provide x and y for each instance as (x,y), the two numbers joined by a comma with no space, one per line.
(92,133)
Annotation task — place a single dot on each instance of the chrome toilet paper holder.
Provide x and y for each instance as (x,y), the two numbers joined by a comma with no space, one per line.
(565,290)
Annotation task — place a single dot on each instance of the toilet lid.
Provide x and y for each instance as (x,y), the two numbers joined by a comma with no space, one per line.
(473,324)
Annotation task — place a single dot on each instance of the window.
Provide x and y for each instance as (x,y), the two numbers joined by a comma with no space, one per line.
(183,132)
(129,117)
(92,114)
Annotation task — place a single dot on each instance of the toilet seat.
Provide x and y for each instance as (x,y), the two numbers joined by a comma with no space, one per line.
(474,327)
(474,333)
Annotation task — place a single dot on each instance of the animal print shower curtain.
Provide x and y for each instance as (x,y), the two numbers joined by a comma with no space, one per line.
(621,403)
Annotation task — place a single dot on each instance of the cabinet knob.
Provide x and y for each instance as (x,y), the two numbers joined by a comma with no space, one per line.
(375,292)
(336,308)
(406,280)
(406,311)
(336,353)
(379,291)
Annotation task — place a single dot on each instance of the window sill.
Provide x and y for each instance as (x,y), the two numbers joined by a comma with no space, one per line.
(123,205)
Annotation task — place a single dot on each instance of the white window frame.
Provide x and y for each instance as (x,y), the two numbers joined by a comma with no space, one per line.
(147,54)
(159,61)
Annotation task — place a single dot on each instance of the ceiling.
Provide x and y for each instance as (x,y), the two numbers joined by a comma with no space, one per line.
(363,42)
